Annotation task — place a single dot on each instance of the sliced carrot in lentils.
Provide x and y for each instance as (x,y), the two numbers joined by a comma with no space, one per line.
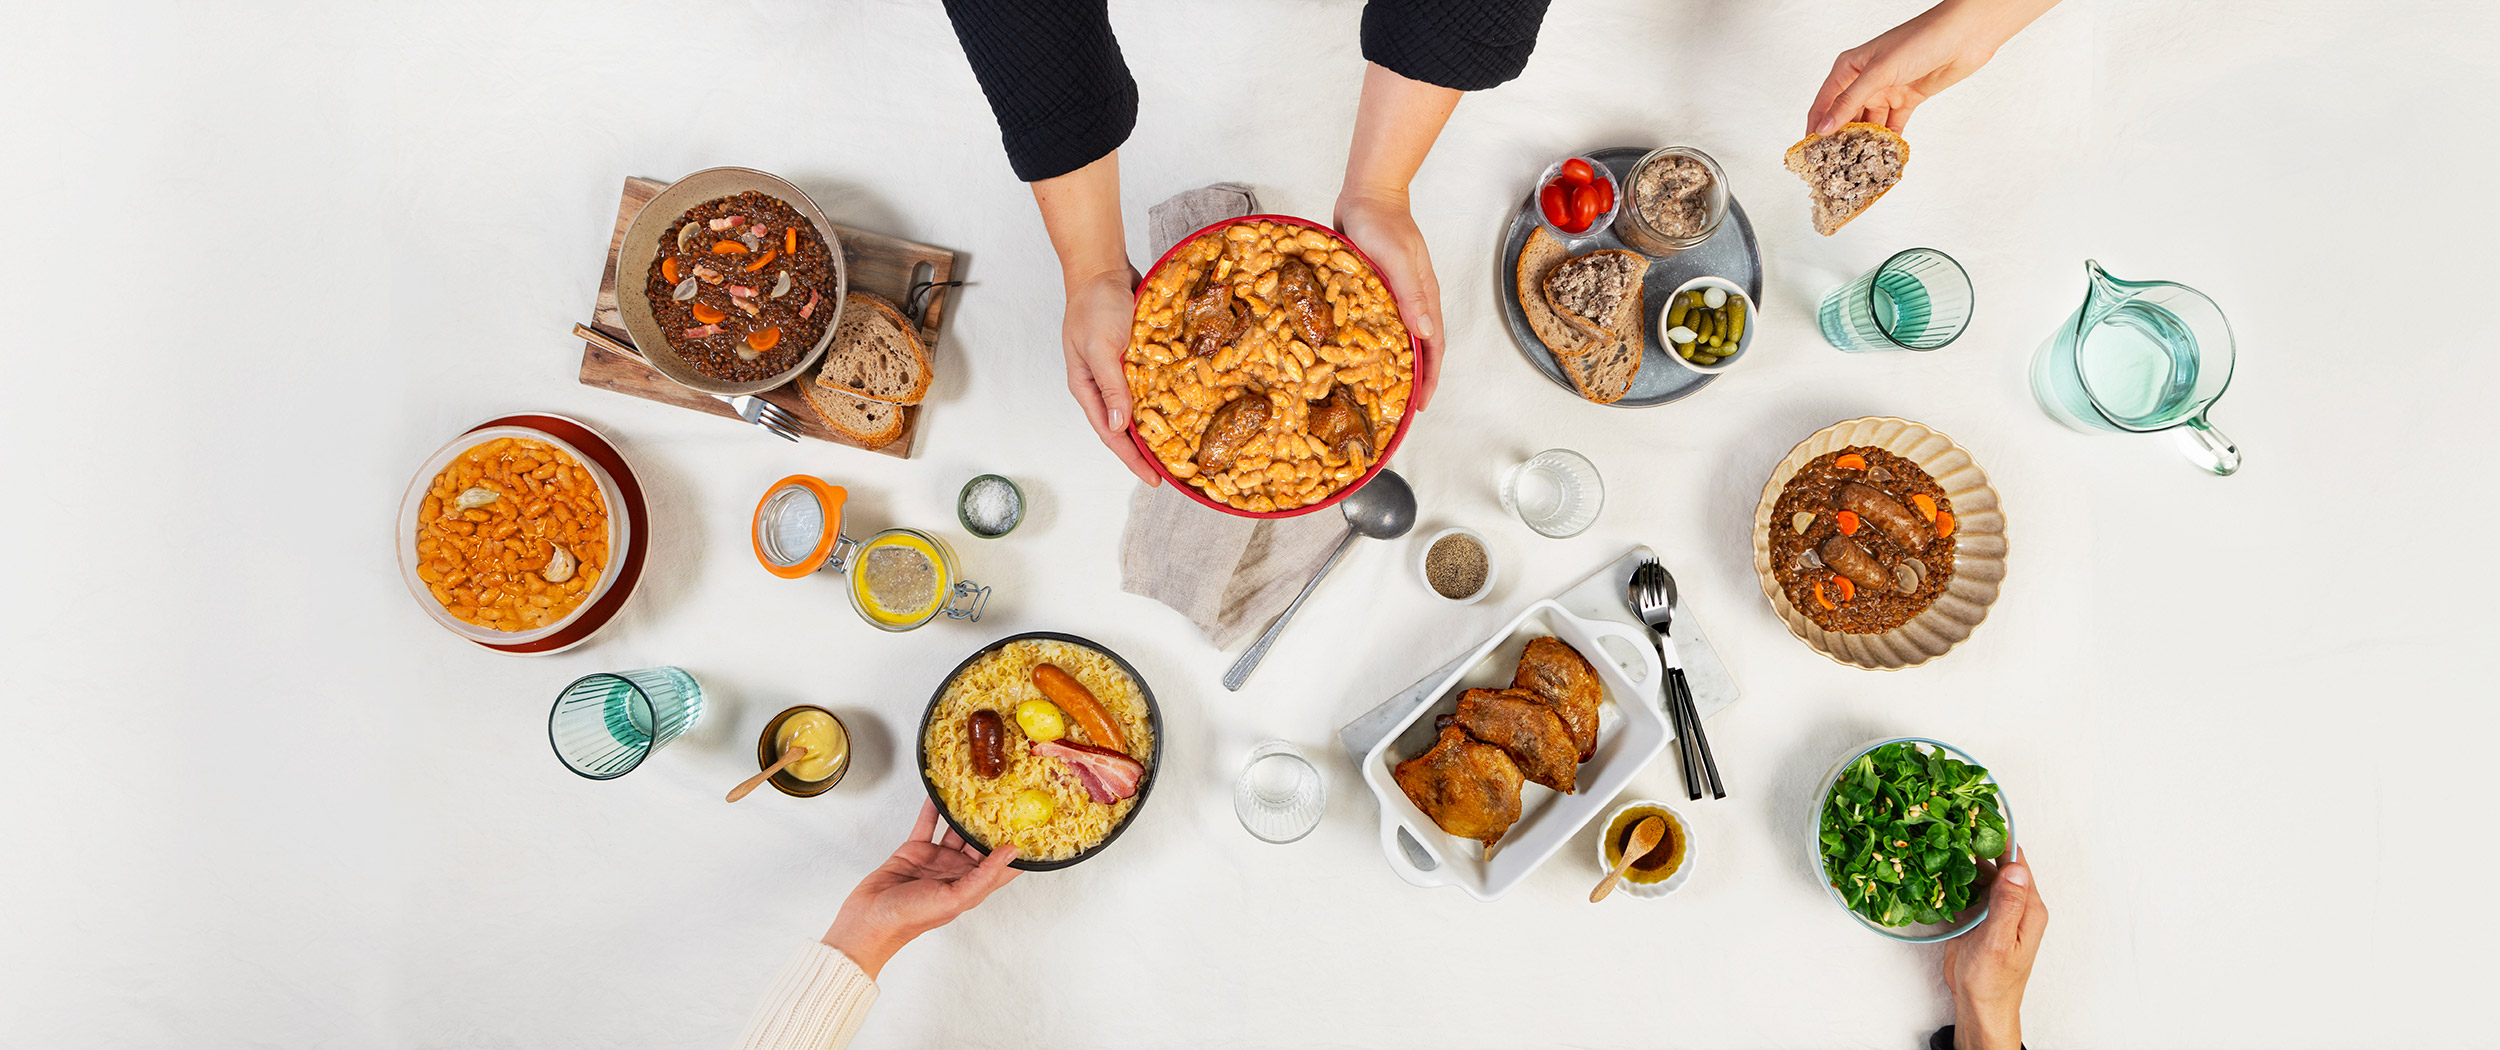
(1848,590)
(790,241)
(1848,522)
(1852,461)
(762,261)
(1925,503)
(706,313)
(668,269)
(763,339)
(1826,603)
(728,248)
(1944,524)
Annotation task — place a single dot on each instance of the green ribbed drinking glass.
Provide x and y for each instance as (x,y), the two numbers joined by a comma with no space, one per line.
(1920,299)
(605,724)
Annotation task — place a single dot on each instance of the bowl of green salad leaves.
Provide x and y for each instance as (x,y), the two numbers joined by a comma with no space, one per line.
(1901,828)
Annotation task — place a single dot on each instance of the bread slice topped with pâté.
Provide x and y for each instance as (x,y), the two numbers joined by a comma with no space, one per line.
(876,354)
(1847,171)
(1599,293)
(1537,260)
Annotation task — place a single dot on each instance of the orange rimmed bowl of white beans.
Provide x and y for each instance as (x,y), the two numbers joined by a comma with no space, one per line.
(508,534)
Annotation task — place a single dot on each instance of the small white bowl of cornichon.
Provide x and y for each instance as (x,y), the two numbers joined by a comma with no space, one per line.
(1707,324)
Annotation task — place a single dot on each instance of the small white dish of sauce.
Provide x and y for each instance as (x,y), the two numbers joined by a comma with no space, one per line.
(1665,868)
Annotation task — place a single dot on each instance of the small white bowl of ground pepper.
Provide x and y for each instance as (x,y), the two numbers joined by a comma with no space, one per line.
(1456,566)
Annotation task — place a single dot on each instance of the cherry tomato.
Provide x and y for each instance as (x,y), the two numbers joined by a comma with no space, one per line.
(1576,172)
(1605,194)
(1584,207)
(1556,202)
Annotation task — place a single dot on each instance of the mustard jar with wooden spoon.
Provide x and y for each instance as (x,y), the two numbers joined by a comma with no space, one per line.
(803,752)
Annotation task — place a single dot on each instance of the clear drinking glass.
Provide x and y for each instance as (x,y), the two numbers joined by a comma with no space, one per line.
(1556,492)
(1279,797)
(604,724)
(1920,299)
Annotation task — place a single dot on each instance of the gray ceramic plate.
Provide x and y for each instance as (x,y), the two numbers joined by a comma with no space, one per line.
(1730,254)
(642,244)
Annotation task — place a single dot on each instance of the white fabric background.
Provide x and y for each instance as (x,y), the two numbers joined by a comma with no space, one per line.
(265,257)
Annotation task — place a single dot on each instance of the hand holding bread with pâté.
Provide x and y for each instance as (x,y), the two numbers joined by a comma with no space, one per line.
(1847,171)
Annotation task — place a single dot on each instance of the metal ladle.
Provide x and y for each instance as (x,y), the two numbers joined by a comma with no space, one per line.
(1382,510)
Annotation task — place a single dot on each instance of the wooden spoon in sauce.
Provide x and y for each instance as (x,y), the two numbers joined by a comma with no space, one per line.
(792,754)
(1645,836)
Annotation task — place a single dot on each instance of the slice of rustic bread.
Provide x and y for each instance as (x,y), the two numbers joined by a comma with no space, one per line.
(876,354)
(1537,260)
(1847,171)
(1587,290)
(1604,376)
(874,424)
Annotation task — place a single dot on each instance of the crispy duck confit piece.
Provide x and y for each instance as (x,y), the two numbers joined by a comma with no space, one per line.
(1470,789)
(1558,675)
(1306,302)
(1521,724)
(1230,427)
(1212,319)
(1340,423)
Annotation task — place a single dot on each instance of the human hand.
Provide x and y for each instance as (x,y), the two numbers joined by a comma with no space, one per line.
(1382,225)
(1883,80)
(1095,334)
(923,886)
(1988,967)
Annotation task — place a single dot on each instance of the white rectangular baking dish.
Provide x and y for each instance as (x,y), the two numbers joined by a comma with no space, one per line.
(1632,730)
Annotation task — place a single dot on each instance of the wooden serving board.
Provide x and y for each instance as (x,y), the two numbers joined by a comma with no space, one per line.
(876,263)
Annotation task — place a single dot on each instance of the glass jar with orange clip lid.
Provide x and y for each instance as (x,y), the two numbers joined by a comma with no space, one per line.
(899,578)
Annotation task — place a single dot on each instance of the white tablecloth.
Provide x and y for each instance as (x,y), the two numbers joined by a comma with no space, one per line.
(264,260)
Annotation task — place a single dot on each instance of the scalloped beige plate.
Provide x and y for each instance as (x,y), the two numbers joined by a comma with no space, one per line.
(1978,556)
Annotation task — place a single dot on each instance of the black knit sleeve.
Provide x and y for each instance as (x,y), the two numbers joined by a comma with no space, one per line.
(1055,80)
(1943,1039)
(1468,45)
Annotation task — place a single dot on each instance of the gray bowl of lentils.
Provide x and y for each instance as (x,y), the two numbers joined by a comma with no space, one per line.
(1456,566)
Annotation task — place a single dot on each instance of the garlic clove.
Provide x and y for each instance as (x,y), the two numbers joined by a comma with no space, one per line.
(685,289)
(685,237)
(1799,522)
(475,498)
(781,285)
(559,568)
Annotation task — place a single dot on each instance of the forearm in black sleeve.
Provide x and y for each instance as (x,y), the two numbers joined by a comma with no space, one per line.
(1466,45)
(1055,80)
(1942,1039)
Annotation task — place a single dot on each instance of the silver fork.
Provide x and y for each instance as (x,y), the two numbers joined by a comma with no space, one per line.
(1653,594)
(775,419)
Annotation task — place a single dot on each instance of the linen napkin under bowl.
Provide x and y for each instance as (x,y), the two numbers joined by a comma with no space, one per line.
(1228,574)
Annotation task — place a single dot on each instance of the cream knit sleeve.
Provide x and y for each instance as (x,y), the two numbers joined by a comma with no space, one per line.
(816,1004)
